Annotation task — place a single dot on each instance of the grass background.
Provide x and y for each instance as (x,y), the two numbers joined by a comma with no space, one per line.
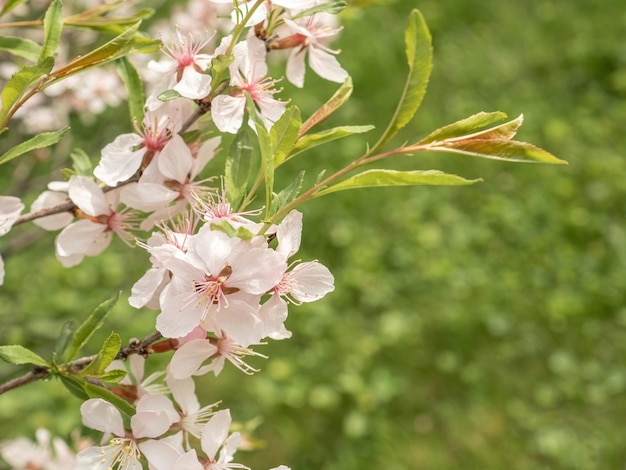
(474,327)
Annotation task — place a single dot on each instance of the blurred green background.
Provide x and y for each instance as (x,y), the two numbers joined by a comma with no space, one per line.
(475,327)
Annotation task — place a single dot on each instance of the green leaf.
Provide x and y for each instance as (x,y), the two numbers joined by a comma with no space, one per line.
(64,341)
(232,232)
(380,178)
(10,4)
(332,8)
(20,82)
(265,146)
(46,139)
(288,194)
(143,44)
(134,86)
(75,386)
(499,149)
(284,134)
(16,354)
(112,50)
(52,27)
(463,127)
(105,356)
(341,96)
(113,25)
(93,391)
(25,48)
(309,141)
(419,54)
(113,376)
(81,163)
(238,166)
(91,324)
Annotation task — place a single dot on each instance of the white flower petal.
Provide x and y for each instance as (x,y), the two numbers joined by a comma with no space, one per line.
(215,432)
(87,195)
(46,200)
(175,160)
(227,112)
(193,85)
(189,357)
(326,65)
(10,210)
(119,159)
(295,67)
(313,281)
(102,416)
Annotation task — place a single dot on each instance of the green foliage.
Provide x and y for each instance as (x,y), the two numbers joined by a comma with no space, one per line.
(93,322)
(136,95)
(16,354)
(43,140)
(20,47)
(52,27)
(472,327)
(419,54)
(381,178)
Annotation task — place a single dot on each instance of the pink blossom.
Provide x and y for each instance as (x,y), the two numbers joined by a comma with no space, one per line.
(307,36)
(248,78)
(188,359)
(154,417)
(10,209)
(305,282)
(217,284)
(129,153)
(49,199)
(99,220)
(184,71)
(22,453)
(174,188)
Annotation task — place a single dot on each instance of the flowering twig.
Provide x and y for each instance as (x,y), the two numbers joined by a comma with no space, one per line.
(39,372)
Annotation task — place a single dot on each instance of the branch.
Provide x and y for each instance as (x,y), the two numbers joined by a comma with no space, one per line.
(142,347)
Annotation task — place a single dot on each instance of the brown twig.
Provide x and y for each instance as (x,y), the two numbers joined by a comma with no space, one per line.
(142,347)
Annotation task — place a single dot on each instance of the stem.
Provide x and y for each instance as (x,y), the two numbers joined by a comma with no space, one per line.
(37,373)
(19,24)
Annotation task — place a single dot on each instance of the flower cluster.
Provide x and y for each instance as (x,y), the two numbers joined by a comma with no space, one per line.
(221,279)
(162,429)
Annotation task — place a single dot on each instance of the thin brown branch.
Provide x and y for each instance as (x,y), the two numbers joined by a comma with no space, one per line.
(143,347)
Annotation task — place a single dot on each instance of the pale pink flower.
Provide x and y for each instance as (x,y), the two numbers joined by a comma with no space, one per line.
(44,454)
(177,188)
(56,194)
(154,417)
(166,455)
(215,438)
(10,209)
(129,153)
(307,36)
(99,220)
(305,282)
(217,284)
(193,417)
(135,380)
(184,71)
(121,452)
(248,78)
(146,291)
(189,358)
